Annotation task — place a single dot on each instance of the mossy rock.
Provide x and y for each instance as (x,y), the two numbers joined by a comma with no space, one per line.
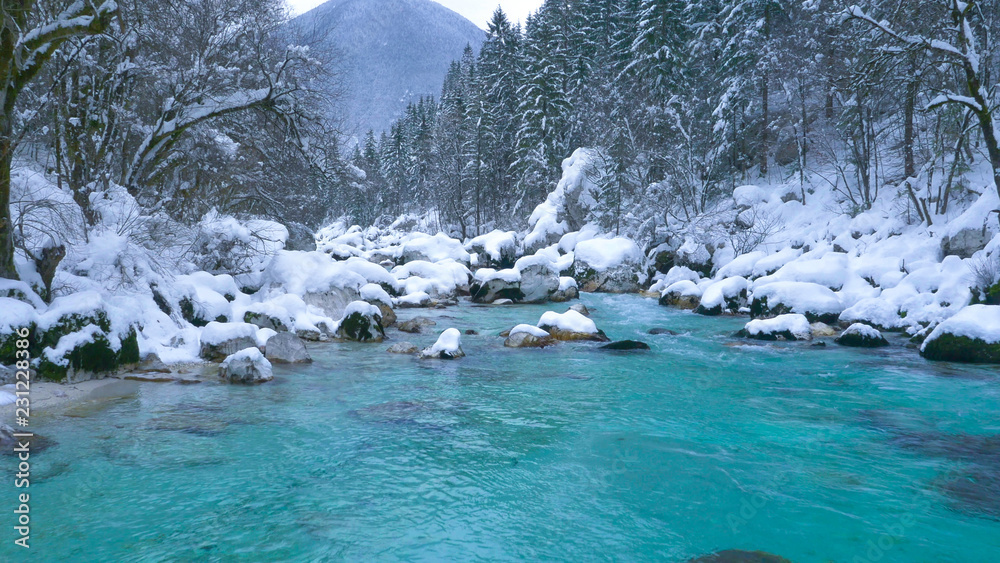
(989,296)
(8,345)
(190,315)
(361,328)
(95,357)
(68,324)
(129,353)
(264,321)
(953,348)
(760,309)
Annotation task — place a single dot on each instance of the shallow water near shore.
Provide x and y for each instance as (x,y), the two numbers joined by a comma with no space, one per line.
(569,453)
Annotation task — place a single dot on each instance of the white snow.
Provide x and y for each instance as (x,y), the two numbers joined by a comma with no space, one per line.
(418,298)
(603,254)
(570,321)
(566,282)
(532,330)
(450,342)
(800,297)
(717,293)
(978,322)
(863,330)
(796,324)
(15,314)
(374,292)
(216,333)
(495,244)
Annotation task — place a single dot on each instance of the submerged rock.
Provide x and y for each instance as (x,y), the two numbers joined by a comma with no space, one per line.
(975,491)
(247,366)
(447,347)
(626,345)
(862,336)
(286,348)
(416,325)
(659,331)
(739,556)
(8,441)
(403,348)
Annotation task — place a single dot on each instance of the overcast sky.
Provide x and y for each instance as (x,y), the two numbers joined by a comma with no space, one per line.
(479,11)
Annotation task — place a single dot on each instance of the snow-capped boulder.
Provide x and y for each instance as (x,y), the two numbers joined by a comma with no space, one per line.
(286,348)
(862,336)
(376,295)
(219,340)
(539,283)
(818,303)
(447,347)
(683,295)
(609,265)
(568,290)
(362,322)
(247,366)
(442,279)
(433,248)
(565,209)
(570,325)
(496,249)
(694,256)
(320,281)
(17,316)
(728,295)
(490,285)
(971,336)
(877,312)
(785,327)
(200,303)
(527,336)
(417,300)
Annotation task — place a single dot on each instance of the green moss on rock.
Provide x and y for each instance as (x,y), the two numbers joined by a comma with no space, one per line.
(953,348)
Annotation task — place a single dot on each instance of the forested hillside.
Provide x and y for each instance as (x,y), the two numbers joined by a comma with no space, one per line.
(687,100)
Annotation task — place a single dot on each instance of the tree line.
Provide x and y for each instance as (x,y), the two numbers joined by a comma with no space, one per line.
(687,100)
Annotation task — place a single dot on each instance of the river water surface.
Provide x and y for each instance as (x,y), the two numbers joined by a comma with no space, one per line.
(568,453)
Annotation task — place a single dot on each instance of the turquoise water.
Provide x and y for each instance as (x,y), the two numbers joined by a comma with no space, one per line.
(564,454)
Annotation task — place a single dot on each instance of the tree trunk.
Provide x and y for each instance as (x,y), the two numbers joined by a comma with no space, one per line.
(909,167)
(7,269)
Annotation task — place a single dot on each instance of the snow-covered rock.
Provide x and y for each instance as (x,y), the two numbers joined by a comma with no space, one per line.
(570,325)
(695,256)
(566,209)
(445,278)
(433,248)
(609,265)
(538,283)
(527,336)
(490,285)
(965,242)
(683,295)
(219,340)
(362,322)
(567,291)
(728,295)
(497,249)
(286,348)
(786,327)
(816,302)
(416,300)
(447,347)
(877,312)
(971,336)
(247,366)
(860,335)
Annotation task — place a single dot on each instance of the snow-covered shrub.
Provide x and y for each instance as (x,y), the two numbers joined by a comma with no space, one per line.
(226,245)
(985,278)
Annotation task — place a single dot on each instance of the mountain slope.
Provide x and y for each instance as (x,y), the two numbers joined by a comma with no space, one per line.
(389,52)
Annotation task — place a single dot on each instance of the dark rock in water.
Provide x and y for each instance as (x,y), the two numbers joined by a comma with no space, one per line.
(818,345)
(739,556)
(658,331)
(8,442)
(970,448)
(975,492)
(471,332)
(626,345)
(416,325)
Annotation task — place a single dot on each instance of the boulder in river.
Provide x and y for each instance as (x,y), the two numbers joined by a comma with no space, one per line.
(817,302)
(971,336)
(684,294)
(247,366)
(660,331)
(527,336)
(491,285)
(860,335)
(626,345)
(609,265)
(580,308)
(783,327)
(286,348)
(571,325)
(362,322)
(538,283)
(416,325)
(447,347)
(403,348)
